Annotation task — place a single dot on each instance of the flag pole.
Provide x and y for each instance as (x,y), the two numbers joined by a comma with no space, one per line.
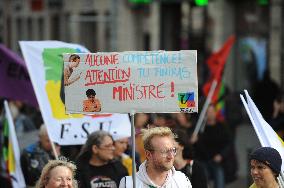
(52,145)
(133,148)
(204,109)
(54,150)
(251,118)
(281,179)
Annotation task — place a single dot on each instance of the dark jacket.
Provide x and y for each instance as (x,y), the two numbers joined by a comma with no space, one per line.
(33,159)
(196,174)
(214,140)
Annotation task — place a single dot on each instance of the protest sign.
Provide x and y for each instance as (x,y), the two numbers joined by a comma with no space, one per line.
(45,66)
(131,81)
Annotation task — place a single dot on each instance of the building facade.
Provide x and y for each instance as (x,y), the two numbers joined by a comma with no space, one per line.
(120,25)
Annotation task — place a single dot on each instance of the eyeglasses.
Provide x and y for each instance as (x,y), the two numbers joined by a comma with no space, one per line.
(166,152)
(107,147)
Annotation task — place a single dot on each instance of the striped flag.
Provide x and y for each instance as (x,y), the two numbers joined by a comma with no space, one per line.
(266,135)
(10,159)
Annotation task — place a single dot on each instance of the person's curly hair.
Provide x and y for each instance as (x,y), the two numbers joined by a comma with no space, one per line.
(148,134)
(45,174)
(90,92)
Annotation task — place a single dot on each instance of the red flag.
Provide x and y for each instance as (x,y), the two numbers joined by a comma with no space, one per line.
(216,63)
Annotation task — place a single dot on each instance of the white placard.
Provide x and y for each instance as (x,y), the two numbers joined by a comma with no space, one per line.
(139,81)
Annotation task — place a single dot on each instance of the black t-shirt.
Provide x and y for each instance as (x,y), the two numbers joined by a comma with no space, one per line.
(108,175)
(214,140)
(196,174)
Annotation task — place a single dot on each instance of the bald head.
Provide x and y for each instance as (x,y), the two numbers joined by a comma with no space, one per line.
(42,130)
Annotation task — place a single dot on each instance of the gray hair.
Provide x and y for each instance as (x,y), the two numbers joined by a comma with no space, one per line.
(95,138)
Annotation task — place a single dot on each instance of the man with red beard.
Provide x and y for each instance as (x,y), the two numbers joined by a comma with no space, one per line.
(157,170)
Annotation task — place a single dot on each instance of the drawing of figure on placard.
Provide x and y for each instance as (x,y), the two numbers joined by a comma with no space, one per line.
(74,61)
(68,69)
(92,104)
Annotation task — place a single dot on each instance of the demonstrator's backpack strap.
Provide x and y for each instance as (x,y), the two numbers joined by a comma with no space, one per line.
(129,183)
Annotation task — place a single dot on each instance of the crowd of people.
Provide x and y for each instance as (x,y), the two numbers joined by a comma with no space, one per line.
(169,163)
(158,170)
(168,154)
